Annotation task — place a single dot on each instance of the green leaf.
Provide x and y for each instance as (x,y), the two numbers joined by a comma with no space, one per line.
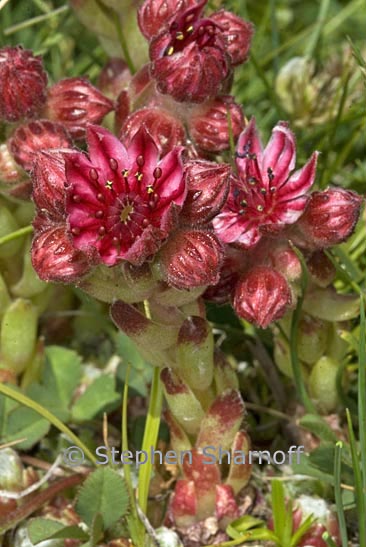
(236,528)
(104,492)
(316,425)
(98,397)
(61,376)
(40,529)
(140,376)
(278,507)
(96,530)
(70,532)
(24,422)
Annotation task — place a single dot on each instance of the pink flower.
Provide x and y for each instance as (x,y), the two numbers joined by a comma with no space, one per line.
(189,58)
(154,14)
(22,84)
(121,201)
(264,198)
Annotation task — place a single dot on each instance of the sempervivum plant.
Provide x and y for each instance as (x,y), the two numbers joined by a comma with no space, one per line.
(153,193)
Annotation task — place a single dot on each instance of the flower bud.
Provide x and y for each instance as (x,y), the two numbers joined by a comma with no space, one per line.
(22,84)
(191,259)
(237,35)
(262,296)
(8,225)
(114,77)
(182,402)
(75,102)
(323,384)
(330,217)
(221,421)
(9,171)
(209,125)
(321,269)
(166,130)
(34,137)
(286,261)
(208,187)
(195,352)
(18,335)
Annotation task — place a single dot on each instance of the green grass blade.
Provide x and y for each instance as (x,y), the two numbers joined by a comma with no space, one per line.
(338,493)
(359,494)
(362,395)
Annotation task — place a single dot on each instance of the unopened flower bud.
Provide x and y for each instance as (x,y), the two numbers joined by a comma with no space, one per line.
(210,125)
(34,137)
(323,384)
(166,130)
(22,84)
(330,217)
(237,35)
(287,263)
(262,296)
(114,77)
(75,102)
(191,259)
(321,269)
(195,352)
(18,335)
(208,187)
(182,402)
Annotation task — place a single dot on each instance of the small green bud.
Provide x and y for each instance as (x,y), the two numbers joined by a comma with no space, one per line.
(18,335)
(322,384)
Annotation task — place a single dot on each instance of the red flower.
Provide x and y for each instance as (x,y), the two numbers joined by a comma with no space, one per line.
(75,102)
(264,198)
(22,84)
(123,202)
(189,58)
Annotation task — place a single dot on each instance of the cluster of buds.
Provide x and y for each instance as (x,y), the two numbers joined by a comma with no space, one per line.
(40,118)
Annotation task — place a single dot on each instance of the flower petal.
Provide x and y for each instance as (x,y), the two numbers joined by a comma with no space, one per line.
(143,146)
(279,156)
(104,146)
(300,182)
(249,143)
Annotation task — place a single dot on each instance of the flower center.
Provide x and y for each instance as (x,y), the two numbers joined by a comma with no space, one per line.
(125,213)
